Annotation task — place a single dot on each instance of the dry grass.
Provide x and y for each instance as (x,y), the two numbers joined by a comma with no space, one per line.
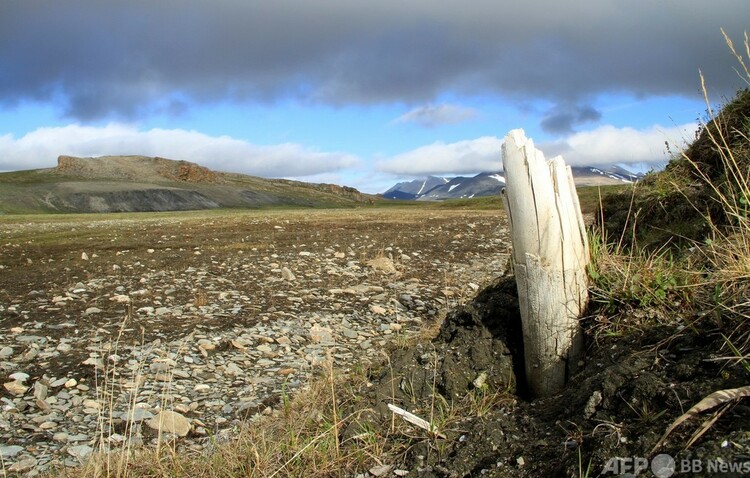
(705,284)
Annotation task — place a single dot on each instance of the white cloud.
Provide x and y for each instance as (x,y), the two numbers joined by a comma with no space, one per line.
(610,145)
(436,115)
(40,149)
(462,157)
(603,145)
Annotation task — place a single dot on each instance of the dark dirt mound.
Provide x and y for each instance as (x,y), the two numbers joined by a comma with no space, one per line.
(621,402)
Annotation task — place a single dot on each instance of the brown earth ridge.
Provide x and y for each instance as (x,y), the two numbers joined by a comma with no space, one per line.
(142,184)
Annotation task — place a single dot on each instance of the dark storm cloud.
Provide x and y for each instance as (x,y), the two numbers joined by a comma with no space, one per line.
(563,119)
(125,58)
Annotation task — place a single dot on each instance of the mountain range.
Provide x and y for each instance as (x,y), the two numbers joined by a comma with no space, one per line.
(436,188)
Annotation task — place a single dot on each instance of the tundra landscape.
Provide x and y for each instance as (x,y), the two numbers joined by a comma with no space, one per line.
(347,268)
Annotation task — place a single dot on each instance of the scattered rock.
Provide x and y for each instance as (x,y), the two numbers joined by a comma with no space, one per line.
(80,452)
(287,275)
(15,387)
(376,309)
(170,422)
(382,264)
(383,470)
(10,451)
(19,377)
(24,465)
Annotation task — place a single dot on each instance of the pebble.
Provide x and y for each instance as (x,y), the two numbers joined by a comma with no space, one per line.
(15,387)
(287,275)
(10,451)
(24,465)
(19,377)
(80,451)
(170,422)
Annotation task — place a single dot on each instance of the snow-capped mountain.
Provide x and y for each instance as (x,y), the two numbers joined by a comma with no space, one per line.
(488,184)
(414,189)
(598,175)
(484,184)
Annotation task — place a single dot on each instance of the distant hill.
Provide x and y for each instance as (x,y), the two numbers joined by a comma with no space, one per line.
(490,184)
(140,183)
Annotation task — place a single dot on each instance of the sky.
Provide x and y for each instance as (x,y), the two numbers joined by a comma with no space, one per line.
(360,93)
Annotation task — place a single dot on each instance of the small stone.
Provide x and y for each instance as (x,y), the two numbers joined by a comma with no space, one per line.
(481,380)
(15,387)
(96,362)
(71,383)
(120,298)
(159,367)
(24,465)
(180,374)
(594,400)
(6,352)
(92,404)
(170,422)
(42,405)
(321,334)
(383,470)
(233,369)
(80,451)
(10,451)
(84,256)
(137,414)
(92,310)
(287,371)
(376,309)
(287,275)
(19,377)
(349,333)
(239,344)
(40,390)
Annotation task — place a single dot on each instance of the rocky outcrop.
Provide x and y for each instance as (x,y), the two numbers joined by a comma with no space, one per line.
(141,168)
(186,171)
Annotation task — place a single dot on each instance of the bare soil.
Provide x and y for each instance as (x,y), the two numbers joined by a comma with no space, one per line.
(629,390)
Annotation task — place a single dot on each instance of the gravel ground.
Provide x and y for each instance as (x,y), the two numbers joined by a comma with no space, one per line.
(140,328)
